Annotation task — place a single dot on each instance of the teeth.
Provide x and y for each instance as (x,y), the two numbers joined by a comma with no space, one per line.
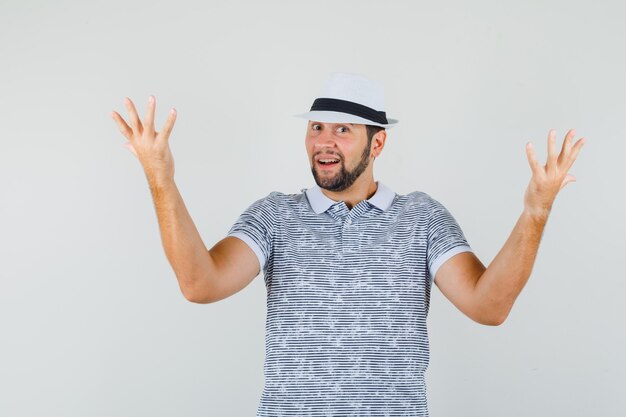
(329,160)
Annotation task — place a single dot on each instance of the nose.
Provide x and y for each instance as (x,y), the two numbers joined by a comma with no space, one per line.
(325,139)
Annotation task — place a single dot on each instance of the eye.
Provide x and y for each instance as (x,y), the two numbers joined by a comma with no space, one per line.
(313,126)
(343,127)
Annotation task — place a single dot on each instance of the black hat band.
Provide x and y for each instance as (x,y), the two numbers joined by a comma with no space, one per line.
(344,106)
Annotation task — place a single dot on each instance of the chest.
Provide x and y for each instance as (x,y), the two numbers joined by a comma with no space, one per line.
(349,264)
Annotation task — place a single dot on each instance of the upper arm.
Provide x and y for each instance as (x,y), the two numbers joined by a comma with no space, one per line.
(233,266)
(457,278)
(452,264)
(242,254)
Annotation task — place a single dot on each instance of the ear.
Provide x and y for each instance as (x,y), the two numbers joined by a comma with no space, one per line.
(378,143)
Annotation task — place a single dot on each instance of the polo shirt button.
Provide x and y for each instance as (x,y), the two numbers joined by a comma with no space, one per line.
(349,221)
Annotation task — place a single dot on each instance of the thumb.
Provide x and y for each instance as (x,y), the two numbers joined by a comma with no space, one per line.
(568,178)
(129,146)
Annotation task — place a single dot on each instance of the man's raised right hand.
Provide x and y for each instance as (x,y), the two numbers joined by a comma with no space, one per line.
(150,147)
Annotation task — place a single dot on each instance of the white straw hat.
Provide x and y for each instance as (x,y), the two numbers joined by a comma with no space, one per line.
(350,98)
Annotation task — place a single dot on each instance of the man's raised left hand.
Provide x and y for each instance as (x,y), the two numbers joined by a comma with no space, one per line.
(549,179)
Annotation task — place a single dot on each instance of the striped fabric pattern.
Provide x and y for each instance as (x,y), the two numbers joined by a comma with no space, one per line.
(348,292)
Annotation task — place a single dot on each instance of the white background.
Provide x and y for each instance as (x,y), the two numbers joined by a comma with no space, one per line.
(92,321)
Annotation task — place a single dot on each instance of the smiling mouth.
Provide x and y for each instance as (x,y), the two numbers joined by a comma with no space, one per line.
(328,163)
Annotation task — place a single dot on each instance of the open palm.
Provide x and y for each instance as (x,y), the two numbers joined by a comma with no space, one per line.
(149,146)
(549,179)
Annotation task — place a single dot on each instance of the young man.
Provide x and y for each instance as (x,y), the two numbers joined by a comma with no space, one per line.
(348,263)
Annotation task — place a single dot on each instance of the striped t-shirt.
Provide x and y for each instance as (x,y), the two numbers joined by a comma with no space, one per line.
(348,292)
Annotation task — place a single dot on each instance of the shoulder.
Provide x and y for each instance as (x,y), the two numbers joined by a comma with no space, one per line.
(421,200)
(280,198)
(276,200)
(422,203)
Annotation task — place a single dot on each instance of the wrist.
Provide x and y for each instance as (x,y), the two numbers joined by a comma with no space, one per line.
(537,214)
(159,181)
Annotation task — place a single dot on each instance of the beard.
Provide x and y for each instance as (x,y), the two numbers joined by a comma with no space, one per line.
(344,178)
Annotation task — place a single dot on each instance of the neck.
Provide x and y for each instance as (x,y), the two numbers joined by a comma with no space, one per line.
(357,192)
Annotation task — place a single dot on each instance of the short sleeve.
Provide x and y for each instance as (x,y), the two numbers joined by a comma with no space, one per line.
(445,237)
(255,227)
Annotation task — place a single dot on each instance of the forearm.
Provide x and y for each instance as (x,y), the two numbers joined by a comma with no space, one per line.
(497,289)
(183,245)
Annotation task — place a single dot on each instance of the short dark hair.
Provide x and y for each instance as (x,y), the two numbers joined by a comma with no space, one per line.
(371,131)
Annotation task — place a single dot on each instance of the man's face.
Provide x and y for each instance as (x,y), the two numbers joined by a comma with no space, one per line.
(344,142)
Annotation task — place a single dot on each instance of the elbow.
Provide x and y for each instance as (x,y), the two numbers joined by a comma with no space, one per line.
(194,299)
(197,289)
(493,321)
(490,312)
(492,318)
(197,297)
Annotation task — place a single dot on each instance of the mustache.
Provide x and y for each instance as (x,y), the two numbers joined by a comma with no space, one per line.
(328,153)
